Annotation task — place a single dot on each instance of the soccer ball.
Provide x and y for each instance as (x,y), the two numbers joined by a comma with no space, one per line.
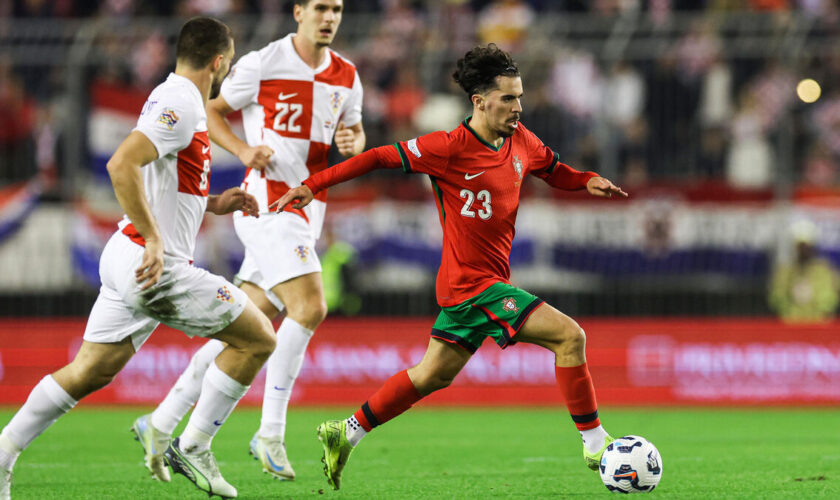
(631,464)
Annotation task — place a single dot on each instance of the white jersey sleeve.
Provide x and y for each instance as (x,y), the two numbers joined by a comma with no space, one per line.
(242,85)
(168,121)
(353,112)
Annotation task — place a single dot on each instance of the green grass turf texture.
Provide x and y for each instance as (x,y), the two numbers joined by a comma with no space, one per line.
(458,453)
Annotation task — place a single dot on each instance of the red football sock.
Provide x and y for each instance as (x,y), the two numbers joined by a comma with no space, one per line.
(576,385)
(395,396)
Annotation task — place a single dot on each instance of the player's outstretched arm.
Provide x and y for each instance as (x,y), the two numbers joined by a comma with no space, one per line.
(257,157)
(381,157)
(600,186)
(124,168)
(231,200)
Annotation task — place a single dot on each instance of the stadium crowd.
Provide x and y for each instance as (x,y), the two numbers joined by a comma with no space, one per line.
(689,110)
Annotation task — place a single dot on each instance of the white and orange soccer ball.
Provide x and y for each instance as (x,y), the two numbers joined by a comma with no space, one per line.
(631,464)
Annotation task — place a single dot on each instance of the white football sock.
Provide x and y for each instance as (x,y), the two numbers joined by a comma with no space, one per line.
(9,453)
(282,369)
(186,390)
(354,431)
(593,439)
(219,395)
(45,404)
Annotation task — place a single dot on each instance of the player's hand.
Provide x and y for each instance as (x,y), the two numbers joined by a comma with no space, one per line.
(234,199)
(600,186)
(151,268)
(345,140)
(302,194)
(257,157)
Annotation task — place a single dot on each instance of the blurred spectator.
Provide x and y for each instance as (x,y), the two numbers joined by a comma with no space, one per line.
(150,61)
(712,152)
(505,23)
(670,111)
(775,89)
(715,107)
(42,8)
(750,160)
(826,121)
(338,263)
(402,100)
(574,87)
(17,122)
(697,51)
(820,168)
(454,22)
(624,96)
(805,290)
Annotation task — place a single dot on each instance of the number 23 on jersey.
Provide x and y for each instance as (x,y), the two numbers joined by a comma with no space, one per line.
(484,208)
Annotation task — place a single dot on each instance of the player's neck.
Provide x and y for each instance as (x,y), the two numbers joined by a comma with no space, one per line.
(200,78)
(488,135)
(313,55)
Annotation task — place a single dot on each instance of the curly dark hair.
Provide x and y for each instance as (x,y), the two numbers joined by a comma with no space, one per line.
(478,69)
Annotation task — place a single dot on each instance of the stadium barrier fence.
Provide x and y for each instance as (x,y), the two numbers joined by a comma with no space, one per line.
(633,362)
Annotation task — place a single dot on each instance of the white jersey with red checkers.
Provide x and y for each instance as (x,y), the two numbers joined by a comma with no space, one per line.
(177,183)
(295,110)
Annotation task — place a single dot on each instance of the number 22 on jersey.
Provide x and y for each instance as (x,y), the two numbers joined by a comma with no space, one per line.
(287,116)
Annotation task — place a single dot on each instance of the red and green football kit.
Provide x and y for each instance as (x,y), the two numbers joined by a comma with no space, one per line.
(477,188)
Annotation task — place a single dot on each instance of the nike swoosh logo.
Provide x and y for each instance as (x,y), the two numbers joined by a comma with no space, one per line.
(279,388)
(276,467)
(473,176)
(216,422)
(283,97)
(205,149)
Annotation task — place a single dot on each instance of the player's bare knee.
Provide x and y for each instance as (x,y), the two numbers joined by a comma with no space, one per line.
(428,382)
(574,338)
(310,313)
(441,381)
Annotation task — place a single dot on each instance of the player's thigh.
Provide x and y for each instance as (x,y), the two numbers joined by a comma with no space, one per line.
(260,299)
(280,247)
(549,328)
(251,330)
(305,289)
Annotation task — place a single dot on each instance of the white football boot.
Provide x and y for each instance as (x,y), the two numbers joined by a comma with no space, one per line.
(154,444)
(271,452)
(200,468)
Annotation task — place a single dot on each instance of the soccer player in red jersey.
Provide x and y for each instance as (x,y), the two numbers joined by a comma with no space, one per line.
(476,172)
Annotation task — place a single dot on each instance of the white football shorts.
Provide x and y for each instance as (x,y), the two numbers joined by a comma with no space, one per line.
(186,298)
(278,247)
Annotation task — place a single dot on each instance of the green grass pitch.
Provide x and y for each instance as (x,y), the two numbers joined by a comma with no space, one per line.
(458,453)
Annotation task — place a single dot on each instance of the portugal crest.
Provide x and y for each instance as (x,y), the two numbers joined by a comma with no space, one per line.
(517,166)
(509,304)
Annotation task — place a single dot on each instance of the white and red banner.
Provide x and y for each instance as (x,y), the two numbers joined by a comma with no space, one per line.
(633,362)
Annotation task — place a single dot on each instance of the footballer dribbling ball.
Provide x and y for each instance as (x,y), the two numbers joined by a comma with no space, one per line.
(631,464)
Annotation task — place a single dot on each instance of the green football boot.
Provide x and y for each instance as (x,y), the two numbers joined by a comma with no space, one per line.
(333,437)
(593,460)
